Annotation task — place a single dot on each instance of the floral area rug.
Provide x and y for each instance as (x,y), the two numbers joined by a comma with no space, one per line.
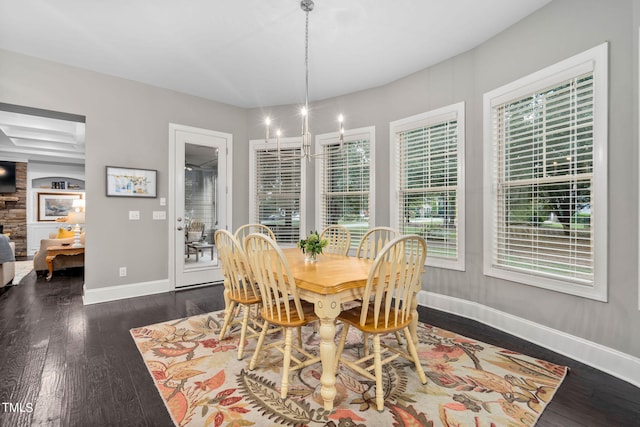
(23,268)
(469,383)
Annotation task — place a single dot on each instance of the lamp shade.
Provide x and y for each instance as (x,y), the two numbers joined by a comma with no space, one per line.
(78,205)
(75,218)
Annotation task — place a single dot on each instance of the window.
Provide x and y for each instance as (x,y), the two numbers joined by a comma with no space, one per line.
(344,184)
(277,188)
(427,172)
(545,202)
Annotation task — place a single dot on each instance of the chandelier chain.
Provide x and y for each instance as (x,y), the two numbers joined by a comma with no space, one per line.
(306,6)
(306,61)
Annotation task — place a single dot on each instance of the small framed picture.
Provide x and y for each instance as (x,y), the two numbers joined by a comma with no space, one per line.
(126,182)
(53,206)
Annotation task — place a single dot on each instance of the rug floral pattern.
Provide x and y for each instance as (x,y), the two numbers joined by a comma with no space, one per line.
(469,383)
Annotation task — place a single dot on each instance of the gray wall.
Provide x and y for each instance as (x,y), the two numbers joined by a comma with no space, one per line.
(127,125)
(561,29)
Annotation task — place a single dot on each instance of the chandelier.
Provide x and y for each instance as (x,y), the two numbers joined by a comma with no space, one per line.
(306,6)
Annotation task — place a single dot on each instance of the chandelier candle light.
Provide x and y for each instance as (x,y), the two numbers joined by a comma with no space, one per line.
(306,6)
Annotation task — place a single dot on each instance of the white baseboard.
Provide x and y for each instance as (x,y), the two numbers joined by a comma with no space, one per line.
(132,290)
(613,362)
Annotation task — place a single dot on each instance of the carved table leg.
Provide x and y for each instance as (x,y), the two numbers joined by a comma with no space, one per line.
(413,326)
(327,309)
(50,259)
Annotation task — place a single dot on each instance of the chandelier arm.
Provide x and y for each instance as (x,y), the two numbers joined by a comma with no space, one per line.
(299,156)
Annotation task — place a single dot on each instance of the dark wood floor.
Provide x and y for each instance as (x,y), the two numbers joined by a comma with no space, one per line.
(77,365)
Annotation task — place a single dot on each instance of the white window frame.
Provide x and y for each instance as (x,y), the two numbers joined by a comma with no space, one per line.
(285,144)
(431,118)
(364,133)
(593,59)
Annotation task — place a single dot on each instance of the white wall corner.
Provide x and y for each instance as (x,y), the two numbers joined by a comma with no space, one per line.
(613,362)
(131,290)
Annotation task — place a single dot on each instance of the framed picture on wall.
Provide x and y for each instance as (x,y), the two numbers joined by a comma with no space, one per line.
(126,182)
(53,206)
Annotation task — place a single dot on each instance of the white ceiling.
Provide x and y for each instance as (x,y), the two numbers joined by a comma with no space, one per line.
(250,53)
(36,137)
(247,53)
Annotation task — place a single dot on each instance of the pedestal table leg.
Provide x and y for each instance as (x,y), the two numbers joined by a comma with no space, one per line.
(327,309)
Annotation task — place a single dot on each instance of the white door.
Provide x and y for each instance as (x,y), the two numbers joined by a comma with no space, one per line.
(200,202)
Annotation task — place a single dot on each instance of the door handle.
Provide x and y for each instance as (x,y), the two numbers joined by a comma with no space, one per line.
(179,228)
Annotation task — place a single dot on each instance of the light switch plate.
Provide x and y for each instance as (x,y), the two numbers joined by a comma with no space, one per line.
(134,215)
(159,215)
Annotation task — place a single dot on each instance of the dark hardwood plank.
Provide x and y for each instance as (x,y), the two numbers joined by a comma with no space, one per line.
(78,366)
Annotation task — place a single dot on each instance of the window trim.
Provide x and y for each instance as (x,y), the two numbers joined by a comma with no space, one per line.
(429,118)
(285,143)
(369,133)
(595,59)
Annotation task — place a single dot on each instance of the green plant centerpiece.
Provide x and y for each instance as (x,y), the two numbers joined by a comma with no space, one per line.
(312,246)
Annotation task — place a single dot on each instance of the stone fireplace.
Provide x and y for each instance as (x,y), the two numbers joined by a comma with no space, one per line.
(13,211)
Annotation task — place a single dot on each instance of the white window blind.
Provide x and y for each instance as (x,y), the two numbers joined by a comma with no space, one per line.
(277,191)
(345,183)
(429,173)
(544,181)
(542,150)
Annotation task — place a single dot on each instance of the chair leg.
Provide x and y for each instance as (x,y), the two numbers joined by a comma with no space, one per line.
(243,331)
(286,362)
(343,338)
(414,354)
(365,340)
(300,336)
(377,367)
(227,320)
(398,337)
(263,333)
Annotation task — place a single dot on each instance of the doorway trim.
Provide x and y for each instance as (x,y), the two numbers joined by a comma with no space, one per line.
(171,202)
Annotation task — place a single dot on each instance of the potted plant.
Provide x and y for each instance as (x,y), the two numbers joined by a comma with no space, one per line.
(312,246)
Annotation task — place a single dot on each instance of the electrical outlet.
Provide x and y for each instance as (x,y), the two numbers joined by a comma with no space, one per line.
(134,215)
(123,271)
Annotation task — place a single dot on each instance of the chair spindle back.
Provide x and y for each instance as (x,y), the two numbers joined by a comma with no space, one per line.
(273,275)
(338,238)
(394,280)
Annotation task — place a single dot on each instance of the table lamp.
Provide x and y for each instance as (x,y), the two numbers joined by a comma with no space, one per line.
(76,217)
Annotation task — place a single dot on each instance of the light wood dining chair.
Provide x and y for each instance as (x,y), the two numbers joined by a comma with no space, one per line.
(369,247)
(243,231)
(392,284)
(240,289)
(374,240)
(281,306)
(338,239)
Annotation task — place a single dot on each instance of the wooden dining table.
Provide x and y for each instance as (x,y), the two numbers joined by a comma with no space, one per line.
(328,283)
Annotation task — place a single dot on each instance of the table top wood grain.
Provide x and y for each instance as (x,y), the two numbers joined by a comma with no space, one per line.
(331,274)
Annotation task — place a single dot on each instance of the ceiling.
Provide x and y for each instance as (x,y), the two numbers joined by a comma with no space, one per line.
(38,135)
(246,53)
(250,53)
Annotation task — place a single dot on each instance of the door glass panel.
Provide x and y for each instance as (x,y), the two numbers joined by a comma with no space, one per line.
(201,201)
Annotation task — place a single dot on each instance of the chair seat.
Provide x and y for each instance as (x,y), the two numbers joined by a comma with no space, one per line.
(248,298)
(352,317)
(307,309)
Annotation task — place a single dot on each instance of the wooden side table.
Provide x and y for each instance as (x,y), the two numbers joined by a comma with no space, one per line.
(54,251)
